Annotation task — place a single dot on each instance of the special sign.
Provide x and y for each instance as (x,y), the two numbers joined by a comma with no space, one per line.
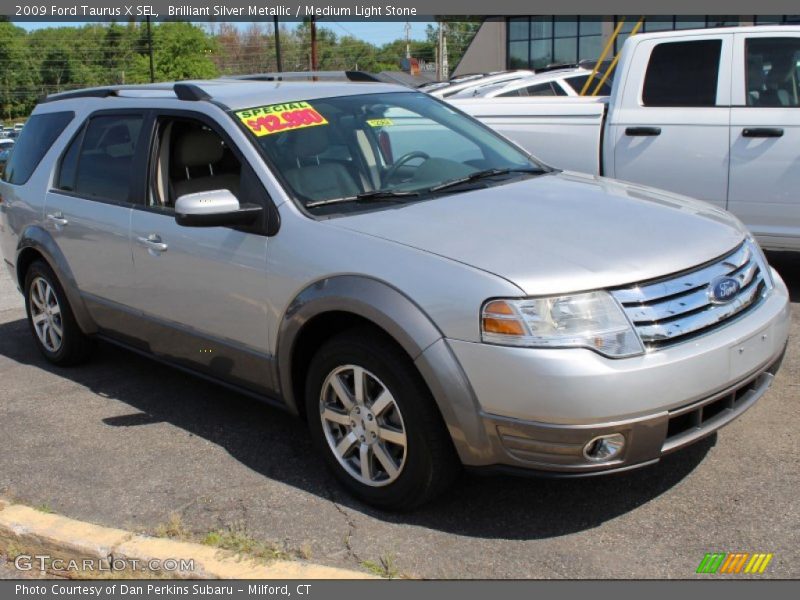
(265,120)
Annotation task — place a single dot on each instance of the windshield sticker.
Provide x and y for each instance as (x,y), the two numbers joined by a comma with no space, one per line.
(379,122)
(276,118)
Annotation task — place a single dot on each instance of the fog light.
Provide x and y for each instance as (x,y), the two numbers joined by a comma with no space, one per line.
(604,447)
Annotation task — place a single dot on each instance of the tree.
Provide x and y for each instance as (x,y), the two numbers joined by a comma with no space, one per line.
(16,80)
(180,50)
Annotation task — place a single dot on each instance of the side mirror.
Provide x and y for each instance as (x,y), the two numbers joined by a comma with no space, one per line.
(215,208)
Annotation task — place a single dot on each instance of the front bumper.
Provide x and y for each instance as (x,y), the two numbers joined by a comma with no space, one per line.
(539,408)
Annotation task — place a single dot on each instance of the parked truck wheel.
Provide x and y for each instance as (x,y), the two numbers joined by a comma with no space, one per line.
(375,422)
(50,317)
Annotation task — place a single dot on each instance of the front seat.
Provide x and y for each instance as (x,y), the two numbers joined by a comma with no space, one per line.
(311,178)
(201,148)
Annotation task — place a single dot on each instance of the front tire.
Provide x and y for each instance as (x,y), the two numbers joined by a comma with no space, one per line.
(51,320)
(374,421)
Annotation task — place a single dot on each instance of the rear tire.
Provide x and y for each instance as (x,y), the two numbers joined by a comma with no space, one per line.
(384,439)
(50,317)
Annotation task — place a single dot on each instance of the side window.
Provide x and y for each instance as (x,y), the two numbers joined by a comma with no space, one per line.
(35,140)
(190,157)
(542,89)
(683,74)
(772,72)
(99,162)
(517,92)
(577,83)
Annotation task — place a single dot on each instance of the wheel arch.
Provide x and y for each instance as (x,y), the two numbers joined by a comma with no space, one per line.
(335,304)
(36,243)
(332,305)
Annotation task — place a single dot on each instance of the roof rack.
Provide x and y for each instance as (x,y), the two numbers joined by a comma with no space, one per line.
(182,91)
(308,76)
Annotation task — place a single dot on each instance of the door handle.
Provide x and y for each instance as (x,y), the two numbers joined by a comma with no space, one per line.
(153,242)
(762,132)
(57,218)
(642,131)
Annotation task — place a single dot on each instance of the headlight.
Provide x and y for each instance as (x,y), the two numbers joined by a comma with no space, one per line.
(593,320)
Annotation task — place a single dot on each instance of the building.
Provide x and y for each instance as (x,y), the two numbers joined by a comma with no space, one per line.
(538,41)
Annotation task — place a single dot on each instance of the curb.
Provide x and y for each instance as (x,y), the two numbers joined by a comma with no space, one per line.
(62,538)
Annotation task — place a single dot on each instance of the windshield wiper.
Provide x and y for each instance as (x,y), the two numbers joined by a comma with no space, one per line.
(365,196)
(481,175)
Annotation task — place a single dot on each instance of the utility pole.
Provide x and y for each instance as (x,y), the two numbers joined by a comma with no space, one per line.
(277,44)
(408,39)
(445,62)
(313,44)
(439,54)
(442,68)
(150,51)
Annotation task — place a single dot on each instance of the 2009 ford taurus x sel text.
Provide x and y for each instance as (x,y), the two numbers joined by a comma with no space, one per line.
(421,291)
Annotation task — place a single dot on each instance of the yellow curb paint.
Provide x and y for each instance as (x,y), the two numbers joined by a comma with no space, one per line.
(65,538)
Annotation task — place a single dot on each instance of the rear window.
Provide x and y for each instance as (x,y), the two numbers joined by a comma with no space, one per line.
(683,74)
(34,141)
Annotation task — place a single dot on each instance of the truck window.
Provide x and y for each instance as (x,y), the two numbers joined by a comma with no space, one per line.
(683,74)
(772,73)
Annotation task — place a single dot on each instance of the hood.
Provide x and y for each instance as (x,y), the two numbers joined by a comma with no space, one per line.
(561,232)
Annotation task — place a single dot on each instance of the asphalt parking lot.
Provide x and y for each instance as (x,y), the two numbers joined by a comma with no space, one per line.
(126,442)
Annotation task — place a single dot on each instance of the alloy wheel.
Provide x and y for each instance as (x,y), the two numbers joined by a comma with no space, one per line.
(363,425)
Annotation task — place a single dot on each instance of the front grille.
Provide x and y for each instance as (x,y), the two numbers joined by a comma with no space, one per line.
(678,308)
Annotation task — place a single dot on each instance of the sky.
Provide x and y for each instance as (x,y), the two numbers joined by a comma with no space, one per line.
(377,32)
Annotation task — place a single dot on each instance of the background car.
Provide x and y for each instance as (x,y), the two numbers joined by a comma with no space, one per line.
(558,82)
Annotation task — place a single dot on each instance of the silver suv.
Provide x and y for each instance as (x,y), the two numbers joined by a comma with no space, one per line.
(423,292)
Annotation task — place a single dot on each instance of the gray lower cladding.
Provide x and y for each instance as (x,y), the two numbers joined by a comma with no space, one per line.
(558,449)
(223,361)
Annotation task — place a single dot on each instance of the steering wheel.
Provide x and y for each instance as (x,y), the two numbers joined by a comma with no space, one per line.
(401,161)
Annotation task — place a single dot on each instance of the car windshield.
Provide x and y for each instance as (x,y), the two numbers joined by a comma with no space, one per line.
(356,153)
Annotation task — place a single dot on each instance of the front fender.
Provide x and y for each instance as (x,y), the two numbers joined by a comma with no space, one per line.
(35,237)
(407,323)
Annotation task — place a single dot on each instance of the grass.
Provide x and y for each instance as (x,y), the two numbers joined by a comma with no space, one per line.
(385,567)
(173,528)
(44,507)
(237,540)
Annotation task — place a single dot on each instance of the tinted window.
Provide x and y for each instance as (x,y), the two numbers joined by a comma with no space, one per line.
(35,140)
(66,173)
(773,73)
(104,158)
(542,89)
(683,74)
(577,83)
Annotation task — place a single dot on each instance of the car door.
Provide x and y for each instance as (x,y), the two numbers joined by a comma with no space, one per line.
(202,291)
(670,127)
(765,137)
(88,208)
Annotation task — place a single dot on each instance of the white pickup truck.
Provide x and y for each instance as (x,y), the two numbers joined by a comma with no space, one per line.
(709,113)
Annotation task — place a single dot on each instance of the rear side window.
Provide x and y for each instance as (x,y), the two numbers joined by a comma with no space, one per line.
(99,162)
(577,83)
(683,74)
(35,140)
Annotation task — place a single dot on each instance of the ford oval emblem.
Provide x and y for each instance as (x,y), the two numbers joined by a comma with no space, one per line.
(723,289)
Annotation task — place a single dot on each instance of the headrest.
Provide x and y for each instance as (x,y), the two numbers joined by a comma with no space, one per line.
(198,147)
(310,141)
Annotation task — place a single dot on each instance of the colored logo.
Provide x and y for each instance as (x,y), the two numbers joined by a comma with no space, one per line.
(734,563)
(723,289)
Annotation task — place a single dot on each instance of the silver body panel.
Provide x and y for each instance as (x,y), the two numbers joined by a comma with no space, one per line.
(421,272)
